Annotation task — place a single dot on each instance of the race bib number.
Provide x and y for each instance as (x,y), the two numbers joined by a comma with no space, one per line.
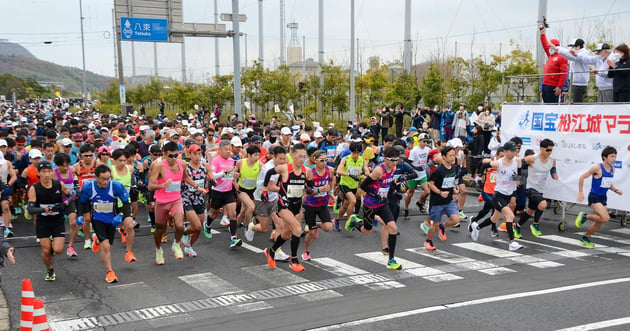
(229,176)
(541,177)
(382,192)
(200,182)
(249,182)
(295,191)
(174,187)
(493,178)
(50,213)
(606,182)
(330,153)
(104,207)
(448,182)
(354,171)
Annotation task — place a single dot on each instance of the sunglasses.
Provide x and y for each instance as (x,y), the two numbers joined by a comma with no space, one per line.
(549,150)
(157,154)
(87,155)
(322,160)
(392,159)
(172,156)
(107,154)
(104,178)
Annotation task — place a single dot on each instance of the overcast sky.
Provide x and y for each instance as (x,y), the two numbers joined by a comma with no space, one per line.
(437,26)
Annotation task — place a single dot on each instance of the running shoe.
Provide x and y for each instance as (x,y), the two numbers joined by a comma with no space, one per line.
(37,240)
(494,233)
(462,216)
(306,256)
(164,237)
(71,252)
(579,220)
(96,245)
(406,214)
(502,227)
(153,228)
(177,250)
(442,232)
(385,251)
(336,227)
(50,275)
(190,251)
(80,233)
(474,231)
(249,234)
(110,277)
(123,237)
(473,219)
(429,245)
(425,228)
(235,242)
(296,266)
(225,221)
(130,257)
(513,246)
(185,240)
(349,226)
(336,207)
(27,216)
(136,225)
(270,259)
(280,255)
(393,265)
(159,256)
(535,229)
(87,244)
(420,207)
(457,226)
(272,236)
(586,242)
(207,229)
(517,231)
(8,233)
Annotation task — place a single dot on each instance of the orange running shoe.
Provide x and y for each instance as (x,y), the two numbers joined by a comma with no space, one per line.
(165,238)
(130,257)
(442,232)
(270,260)
(502,227)
(111,277)
(123,237)
(297,266)
(96,245)
(429,246)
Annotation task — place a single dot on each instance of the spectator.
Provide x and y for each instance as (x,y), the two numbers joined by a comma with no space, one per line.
(460,122)
(485,120)
(555,69)
(579,71)
(417,118)
(385,116)
(399,115)
(436,121)
(599,69)
(448,117)
(621,74)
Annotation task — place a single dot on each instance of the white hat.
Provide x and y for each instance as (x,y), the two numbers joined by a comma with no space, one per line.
(285,131)
(34,153)
(236,141)
(455,142)
(143,128)
(173,133)
(305,136)
(3,142)
(66,142)
(318,134)
(295,128)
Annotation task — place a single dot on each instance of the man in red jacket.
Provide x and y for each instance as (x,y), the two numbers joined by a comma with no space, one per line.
(556,70)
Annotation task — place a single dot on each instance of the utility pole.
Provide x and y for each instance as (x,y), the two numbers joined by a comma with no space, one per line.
(83,73)
(352,62)
(320,48)
(540,52)
(282,27)
(407,42)
(216,42)
(260,32)
(237,59)
(155,60)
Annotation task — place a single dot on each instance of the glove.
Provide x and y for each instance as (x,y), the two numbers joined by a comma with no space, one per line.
(356,177)
(212,182)
(309,190)
(59,208)
(264,196)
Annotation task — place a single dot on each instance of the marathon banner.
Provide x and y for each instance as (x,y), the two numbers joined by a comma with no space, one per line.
(579,133)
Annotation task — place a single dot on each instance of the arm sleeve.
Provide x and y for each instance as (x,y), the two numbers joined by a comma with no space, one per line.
(564,68)
(270,173)
(565,54)
(545,43)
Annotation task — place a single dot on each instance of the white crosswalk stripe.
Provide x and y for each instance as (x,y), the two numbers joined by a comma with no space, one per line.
(565,240)
(560,251)
(275,276)
(508,255)
(413,268)
(336,267)
(465,262)
(209,284)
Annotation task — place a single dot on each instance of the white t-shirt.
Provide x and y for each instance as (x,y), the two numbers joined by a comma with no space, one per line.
(419,157)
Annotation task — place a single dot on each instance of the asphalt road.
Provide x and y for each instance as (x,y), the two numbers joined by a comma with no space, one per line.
(552,283)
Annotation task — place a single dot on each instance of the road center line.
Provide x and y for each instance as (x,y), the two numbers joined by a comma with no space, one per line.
(599,325)
(472,303)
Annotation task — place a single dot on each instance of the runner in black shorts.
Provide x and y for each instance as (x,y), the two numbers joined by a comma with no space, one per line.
(45,200)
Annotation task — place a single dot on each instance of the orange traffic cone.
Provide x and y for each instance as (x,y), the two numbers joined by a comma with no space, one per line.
(40,322)
(26,315)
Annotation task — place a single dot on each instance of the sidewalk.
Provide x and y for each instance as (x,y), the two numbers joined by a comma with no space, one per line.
(5,318)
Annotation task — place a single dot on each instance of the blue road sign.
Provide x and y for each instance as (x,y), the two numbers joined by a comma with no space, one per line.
(143,29)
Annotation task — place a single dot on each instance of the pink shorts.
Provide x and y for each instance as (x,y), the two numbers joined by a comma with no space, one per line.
(162,210)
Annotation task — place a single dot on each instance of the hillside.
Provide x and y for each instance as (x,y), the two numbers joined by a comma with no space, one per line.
(16,60)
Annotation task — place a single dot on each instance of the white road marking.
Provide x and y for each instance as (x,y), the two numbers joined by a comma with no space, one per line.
(560,251)
(465,262)
(599,325)
(274,276)
(508,255)
(336,267)
(209,284)
(252,248)
(411,267)
(470,303)
(570,241)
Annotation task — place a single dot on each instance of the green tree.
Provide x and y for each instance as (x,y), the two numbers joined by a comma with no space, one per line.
(252,82)
(371,89)
(518,63)
(405,90)
(432,87)
(334,92)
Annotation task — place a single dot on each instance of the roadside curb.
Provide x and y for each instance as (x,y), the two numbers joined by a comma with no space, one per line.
(5,317)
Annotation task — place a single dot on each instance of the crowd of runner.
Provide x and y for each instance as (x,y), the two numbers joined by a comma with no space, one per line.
(91,171)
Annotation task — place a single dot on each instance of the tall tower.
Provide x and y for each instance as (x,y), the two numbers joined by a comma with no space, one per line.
(294,50)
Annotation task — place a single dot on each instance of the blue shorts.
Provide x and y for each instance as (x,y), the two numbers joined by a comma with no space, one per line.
(435,212)
(596,198)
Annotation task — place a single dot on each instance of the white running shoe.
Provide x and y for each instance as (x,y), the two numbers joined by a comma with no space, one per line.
(474,233)
(513,246)
(225,221)
(281,256)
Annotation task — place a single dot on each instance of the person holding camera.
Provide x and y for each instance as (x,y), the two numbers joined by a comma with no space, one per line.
(555,69)
(486,120)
